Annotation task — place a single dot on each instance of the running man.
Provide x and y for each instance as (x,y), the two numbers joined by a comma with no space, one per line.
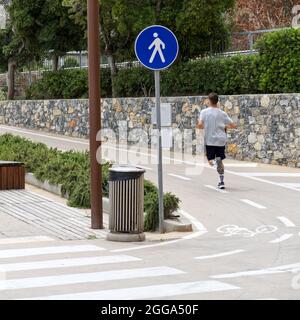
(215,122)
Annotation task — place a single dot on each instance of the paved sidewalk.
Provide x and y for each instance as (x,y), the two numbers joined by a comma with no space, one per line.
(41,213)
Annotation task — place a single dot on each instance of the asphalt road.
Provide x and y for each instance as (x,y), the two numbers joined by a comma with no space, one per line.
(246,244)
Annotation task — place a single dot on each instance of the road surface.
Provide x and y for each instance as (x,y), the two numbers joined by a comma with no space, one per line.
(246,244)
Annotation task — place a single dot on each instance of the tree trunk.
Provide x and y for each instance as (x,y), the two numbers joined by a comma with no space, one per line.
(12,65)
(113,72)
(55,62)
(158,9)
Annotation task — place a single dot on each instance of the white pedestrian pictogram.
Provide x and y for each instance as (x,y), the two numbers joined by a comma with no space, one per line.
(159,46)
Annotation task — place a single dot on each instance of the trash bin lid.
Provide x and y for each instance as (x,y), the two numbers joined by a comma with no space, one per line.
(124,172)
(10,164)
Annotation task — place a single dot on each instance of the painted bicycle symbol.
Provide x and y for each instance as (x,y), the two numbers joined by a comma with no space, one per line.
(233,230)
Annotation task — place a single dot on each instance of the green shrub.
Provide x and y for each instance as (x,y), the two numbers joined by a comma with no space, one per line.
(171,205)
(275,70)
(72,171)
(280,61)
(66,84)
(135,82)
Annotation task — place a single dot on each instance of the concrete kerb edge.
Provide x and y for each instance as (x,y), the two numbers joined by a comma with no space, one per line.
(170,225)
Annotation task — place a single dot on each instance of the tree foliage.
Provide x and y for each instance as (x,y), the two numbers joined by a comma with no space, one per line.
(195,22)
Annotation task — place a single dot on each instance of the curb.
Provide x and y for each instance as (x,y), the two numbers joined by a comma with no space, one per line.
(181,225)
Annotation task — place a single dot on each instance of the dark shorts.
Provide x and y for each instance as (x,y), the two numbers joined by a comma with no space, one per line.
(213,152)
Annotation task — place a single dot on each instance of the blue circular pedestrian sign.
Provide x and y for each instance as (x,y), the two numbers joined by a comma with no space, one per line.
(156,47)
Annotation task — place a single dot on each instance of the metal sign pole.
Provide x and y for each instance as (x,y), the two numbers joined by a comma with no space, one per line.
(160,169)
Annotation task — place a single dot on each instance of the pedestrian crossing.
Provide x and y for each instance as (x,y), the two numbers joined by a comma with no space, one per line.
(71,272)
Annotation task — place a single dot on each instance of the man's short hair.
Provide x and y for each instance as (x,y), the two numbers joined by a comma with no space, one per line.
(213,98)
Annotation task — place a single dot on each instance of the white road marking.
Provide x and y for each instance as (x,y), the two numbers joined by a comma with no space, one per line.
(26,252)
(293,185)
(148,292)
(281,269)
(229,253)
(215,189)
(253,204)
(263,180)
(287,222)
(43,135)
(66,263)
(199,226)
(25,240)
(65,279)
(179,177)
(270,174)
(282,238)
(240,165)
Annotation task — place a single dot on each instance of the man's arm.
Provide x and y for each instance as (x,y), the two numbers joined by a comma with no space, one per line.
(231,126)
(200,125)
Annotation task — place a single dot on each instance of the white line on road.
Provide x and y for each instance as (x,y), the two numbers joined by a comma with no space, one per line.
(287,222)
(263,180)
(148,292)
(215,189)
(44,135)
(66,263)
(240,165)
(65,279)
(26,252)
(293,185)
(282,238)
(229,253)
(280,269)
(253,204)
(270,174)
(198,225)
(179,177)
(25,240)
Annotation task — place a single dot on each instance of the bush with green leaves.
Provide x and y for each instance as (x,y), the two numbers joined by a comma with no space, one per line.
(66,84)
(279,65)
(275,69)
(71,170)
(171,205)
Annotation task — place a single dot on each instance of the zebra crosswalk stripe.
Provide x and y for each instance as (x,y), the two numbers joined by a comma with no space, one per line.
(147,292)
(66,279)
(14,253)
(66,263)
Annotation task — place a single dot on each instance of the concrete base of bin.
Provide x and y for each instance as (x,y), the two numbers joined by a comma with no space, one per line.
(126,237)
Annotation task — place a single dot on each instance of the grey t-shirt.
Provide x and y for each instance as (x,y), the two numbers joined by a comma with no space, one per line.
(215,121)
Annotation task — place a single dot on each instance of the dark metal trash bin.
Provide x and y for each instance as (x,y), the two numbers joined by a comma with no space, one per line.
(126,197)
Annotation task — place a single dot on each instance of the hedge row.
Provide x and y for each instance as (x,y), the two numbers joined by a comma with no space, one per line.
(72,170)
(275,69)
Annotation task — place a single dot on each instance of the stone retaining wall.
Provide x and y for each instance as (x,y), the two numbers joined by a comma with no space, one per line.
(269,125)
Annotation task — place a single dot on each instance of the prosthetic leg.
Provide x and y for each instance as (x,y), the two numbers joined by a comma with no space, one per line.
(221,170)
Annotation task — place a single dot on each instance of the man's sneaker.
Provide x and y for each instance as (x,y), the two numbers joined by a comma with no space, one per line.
(221,185)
